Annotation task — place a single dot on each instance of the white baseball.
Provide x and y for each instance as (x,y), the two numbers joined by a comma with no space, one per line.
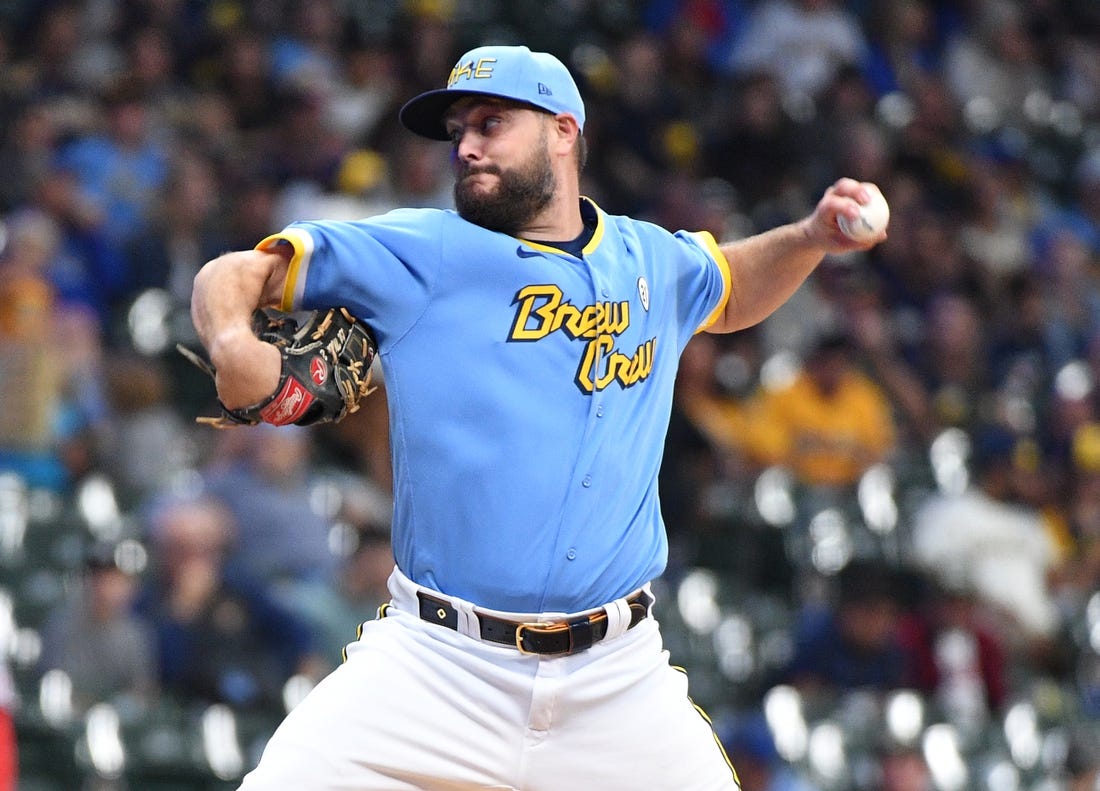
(874,215)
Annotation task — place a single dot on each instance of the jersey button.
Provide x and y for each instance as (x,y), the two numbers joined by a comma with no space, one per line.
(599,411)
(606,292)
(571,554)
(587,481)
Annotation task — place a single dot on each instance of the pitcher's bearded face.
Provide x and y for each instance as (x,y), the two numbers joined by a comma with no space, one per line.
(506,199)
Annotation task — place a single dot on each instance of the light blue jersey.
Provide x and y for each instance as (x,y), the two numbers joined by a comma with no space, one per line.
(529,392)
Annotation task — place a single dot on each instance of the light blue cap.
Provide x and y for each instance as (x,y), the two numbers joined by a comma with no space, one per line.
(516,73)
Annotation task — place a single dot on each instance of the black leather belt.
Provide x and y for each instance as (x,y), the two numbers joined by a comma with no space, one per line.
(556,638)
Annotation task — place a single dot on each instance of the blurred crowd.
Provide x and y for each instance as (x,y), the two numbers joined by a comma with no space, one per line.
(890,486)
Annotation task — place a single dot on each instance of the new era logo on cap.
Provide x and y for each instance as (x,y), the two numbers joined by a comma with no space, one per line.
(516,73)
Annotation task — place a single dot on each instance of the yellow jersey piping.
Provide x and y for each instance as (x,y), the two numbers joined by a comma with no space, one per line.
(719,258)
(302,243)
(590,247)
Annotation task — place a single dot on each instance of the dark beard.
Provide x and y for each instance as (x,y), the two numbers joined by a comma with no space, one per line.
(520,195)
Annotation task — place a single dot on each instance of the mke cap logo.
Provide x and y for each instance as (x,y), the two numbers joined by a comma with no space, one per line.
(480,69)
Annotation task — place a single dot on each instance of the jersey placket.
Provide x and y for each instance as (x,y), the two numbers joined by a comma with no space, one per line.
(586,479)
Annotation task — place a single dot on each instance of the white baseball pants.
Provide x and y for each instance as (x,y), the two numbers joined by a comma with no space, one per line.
(419,707)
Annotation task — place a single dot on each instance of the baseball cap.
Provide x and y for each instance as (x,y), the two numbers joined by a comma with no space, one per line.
(515,73)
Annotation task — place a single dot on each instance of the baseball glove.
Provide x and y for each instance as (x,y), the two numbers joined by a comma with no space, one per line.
(326,370)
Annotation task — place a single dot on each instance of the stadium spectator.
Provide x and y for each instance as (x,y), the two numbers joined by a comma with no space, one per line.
(960,657)
(828,425)
(120,169)
(27,152)
(355,593)
(144,442)
(996,59)
(264,476)
(905,45)
(852,641)
(86,270)
(244,77)
(801,42)
(755,145)
(186,228)
(220,636)
(49,357)
(107,651)
(641,120)
(992,538)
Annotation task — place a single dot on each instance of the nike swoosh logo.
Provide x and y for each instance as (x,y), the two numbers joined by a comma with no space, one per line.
(527,253)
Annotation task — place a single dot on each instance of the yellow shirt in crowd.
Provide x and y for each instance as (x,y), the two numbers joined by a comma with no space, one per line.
(824,439)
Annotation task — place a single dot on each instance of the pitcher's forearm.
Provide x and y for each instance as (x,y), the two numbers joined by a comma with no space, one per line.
(226,292)
(248,370)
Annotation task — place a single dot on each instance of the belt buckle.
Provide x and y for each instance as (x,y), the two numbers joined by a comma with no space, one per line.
(545,627)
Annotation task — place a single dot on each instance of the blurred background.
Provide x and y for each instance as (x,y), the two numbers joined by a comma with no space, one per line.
(883,502)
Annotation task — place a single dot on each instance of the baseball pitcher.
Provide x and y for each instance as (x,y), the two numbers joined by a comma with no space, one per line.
(529,342)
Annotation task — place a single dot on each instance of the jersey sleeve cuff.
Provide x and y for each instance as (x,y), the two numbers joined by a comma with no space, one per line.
(708,242)
(302,244)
